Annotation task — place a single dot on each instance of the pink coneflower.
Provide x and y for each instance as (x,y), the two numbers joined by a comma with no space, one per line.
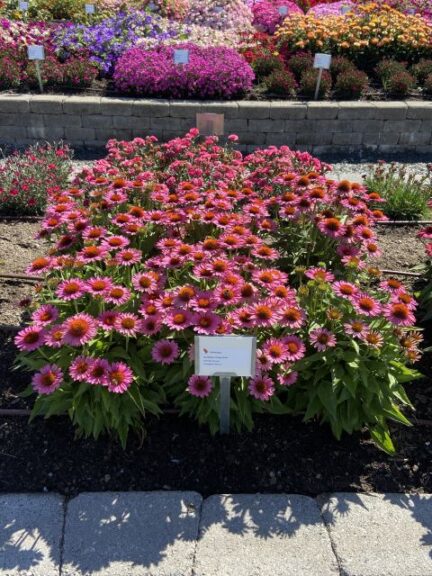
(165,351)
(296,348)
(71,289)
(54,337)
(331,227)
(94,233)
(79,329)
(266,312)
(150,325)
(391,285)
(39,265)
(373,339)
(128,257)
(107,320)
(207,323)
(365,304)
(263,363)
(203,302)
(319,274)
(269,277)
(92,254)
(179,319)
(228,295)
(48,379)
(200,386)
(115,242)
(321,339)
(79,368)
(261,387)
(356,328)
(97,371)
(345,289)
(127,324)
(399,314)
(99,285)
(144,282)
(117,295)
(243,318)
(118,377)
(30,338)
(288,378)
(276,350)
(45,315)
(292,317)
(184,295)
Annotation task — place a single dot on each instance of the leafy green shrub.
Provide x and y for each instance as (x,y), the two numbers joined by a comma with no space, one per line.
(422,70)
(281,83)
(399,85)
(406,196)
(340,64)
(427,85)
(308,83)
(263,66)
(388,68)
(300,63)
(351,84)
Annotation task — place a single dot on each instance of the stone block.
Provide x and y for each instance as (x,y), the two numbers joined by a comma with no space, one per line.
(234,125)
(117,106)
(48,133)
(415,138)
(10,134)
(285,139)
(380,534)
(252,138)
(263,535)
(97,121)
(46,104)
(282,110)
(266,125)
(389,138)
(184,108)
(79,134)
(391,110)
(14,104)
(30,534)
(401,125)
(53,120)
(229,109)
(105,134)
(322,110)
(151,108)
(131,122)
(353,139)
(330,125)
(367,126)
(131,533)
(82,105)
(357,111)
(253,110)
(419,110)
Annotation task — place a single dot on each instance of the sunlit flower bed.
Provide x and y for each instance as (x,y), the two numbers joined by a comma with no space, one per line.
(160,242)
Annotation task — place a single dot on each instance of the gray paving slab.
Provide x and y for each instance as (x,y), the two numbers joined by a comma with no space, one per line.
(131,534)
(30,534)
(263,535)
(381,534)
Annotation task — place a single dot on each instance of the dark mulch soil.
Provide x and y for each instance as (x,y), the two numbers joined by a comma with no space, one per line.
(280,455)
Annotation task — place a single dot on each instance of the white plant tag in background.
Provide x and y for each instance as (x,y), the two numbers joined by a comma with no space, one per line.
(90,8)
(181,56)
(322,61)
(225,355)
(23,5)
(283,10)
(35,52)
(345,9)
(218,9)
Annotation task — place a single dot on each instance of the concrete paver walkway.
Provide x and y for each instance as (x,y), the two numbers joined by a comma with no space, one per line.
(180,534)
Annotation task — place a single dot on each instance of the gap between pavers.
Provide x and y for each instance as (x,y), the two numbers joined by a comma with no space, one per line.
(380,534)
(30,534)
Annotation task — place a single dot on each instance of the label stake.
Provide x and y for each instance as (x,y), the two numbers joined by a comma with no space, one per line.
(318,85)
(39,76)
(225,404)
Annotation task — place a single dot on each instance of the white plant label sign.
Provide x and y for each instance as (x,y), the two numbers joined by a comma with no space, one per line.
(90,8)
(181,56)
(35,52)
(225,355)
(345,9)
(210,123)
(283,10)
(322,61)
(23,5)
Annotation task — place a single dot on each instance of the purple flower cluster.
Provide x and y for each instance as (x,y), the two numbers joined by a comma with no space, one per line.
(213,72)
(267,16)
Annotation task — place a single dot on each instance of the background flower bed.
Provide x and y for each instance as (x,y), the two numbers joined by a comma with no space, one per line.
(364,36)
(133,281)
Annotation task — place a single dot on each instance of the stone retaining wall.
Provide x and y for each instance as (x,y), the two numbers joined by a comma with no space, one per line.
(321,127)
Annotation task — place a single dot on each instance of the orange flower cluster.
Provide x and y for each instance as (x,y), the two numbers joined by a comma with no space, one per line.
(370,30)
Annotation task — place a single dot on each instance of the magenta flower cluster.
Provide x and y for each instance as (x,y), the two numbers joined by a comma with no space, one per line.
(213,72)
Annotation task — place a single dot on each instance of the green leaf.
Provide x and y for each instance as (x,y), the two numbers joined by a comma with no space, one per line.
(395,414)
(382,439)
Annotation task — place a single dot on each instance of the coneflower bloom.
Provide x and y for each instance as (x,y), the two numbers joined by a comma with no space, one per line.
(399,314)
(179,319)
(117,295)
(269,277)
(144,282)
(115,242)
(150,325)
(92,254)
(97,371)
(79,329)
(200,386)
(392,285)
(79,368)
(99,285)
(295,348)
(263,363)
(203,301)
(319,274)
(288,378)
(127,324)
(118,377)
(266,312)
(45,315)
(276,351)
(207,323)
(345,289)
(71,289)
(322,339)
(128,257)
(165,351)
(331,227)
(373,339)
(48,379)
(54,337)
(365,304)
(30,338)
(107,320)
(291,317)
(356,328)
(261,387)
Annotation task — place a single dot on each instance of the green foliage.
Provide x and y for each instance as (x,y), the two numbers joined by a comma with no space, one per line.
(308,83)
(350,84)
(281,83)
(265,65)
(406,195)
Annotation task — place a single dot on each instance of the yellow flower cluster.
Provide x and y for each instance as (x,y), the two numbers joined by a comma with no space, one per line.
(369,30)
